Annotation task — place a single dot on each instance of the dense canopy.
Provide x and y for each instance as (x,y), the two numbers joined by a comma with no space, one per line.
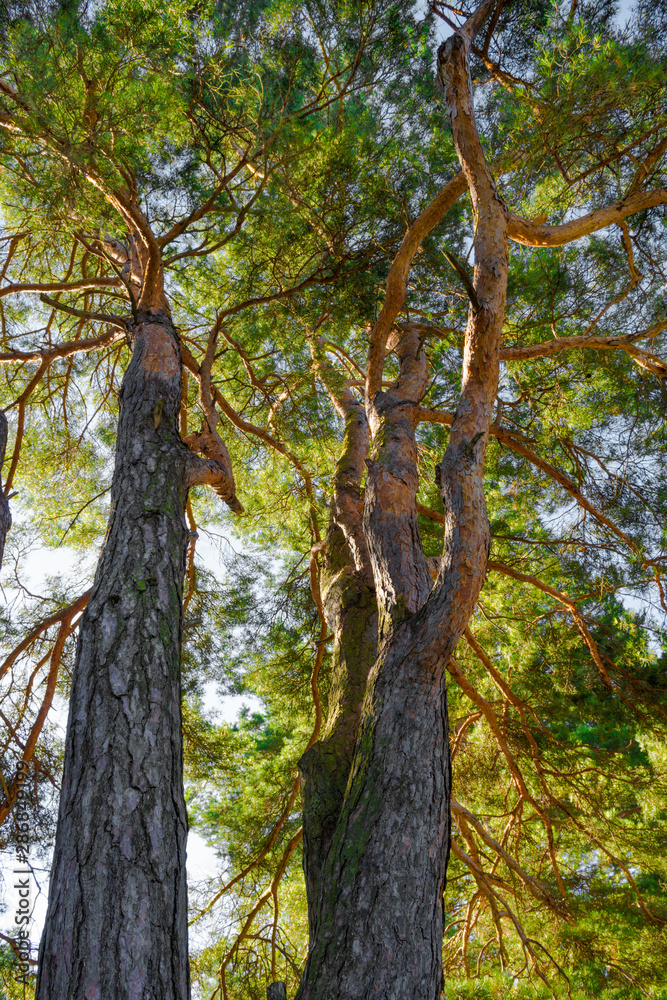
(291,166)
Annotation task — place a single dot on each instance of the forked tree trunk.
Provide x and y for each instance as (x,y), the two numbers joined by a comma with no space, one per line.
(117,917)
(378,921)
(378,924)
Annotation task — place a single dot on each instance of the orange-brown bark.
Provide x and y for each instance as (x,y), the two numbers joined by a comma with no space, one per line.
(380,894)
(534,235)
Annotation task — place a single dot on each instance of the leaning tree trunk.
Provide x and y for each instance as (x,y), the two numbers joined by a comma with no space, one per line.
(379,908)
(116,926)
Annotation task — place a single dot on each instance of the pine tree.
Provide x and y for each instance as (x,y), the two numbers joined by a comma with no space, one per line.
(260,215)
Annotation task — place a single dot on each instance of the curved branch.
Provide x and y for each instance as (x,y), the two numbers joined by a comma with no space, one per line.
(117,321)
(65,630)
(319,655)
(5,512)
(517,443)
(569,603)
(536,888)
(519,782)
(20,423)
(59,616)
(65,350)
(398,276)
(533,235)
(60,286)
(243,425)
(484,882)
(601,343)
(292,845)
(215,469)
(270,841)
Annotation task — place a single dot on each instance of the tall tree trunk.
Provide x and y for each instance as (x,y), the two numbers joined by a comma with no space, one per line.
(116,926)
(379,910)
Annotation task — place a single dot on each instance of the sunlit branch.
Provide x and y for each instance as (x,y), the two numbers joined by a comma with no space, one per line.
(20,403)
(518,444)
(534,235)
(111,320)
(67,626)
(243,425)
(569,603)
(215,468)
(350,465)
(398,276)
(59,286)
(484,882)
(518,780)
(62,615)
(64,350)
(625,343)
(647,164)
(502,684)
(292,844)
(539,891)
(180,227)
(256,861)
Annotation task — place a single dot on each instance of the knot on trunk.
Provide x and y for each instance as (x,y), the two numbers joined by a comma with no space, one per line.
(214,469)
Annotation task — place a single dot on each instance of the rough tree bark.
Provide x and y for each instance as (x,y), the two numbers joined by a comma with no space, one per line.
(116,925)
(118,874)
(376,903)
(348,596)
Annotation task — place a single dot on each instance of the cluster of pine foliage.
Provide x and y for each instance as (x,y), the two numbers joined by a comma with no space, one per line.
(281,151)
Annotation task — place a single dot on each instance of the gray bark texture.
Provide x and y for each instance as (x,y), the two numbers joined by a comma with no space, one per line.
(380,919)
(116,927)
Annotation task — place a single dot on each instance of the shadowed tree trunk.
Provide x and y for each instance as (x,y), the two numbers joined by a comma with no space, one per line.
(116,925)
(119,867)
(378,923)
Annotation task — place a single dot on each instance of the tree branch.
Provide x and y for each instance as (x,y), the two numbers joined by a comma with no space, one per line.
(65,350)
(398,276)
(533,235)
(516,443)
(5,512)
(60,286)
(116,321)
(625,343)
